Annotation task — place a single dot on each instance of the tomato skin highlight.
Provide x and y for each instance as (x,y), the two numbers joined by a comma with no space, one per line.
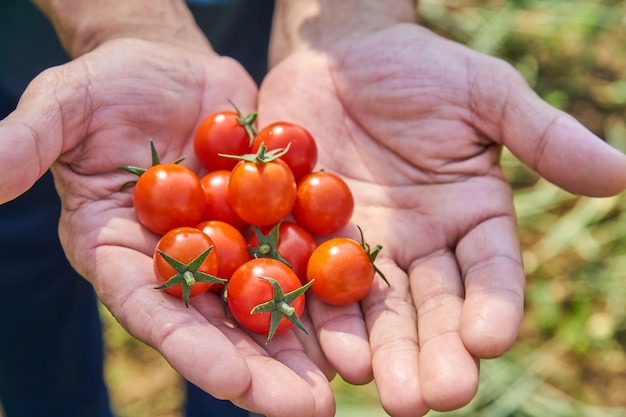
(167,196)
(246,290)
(184,244)
(231,248)
(324,203)
(262,194)
(220,132)
(217,205)
(342,270)
(302,155)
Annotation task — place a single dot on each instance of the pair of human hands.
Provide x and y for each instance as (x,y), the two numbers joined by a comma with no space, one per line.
(413,122)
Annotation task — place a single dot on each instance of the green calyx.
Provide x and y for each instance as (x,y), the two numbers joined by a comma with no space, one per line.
(280,306)
(138,171)
(267,245)
(188,274)
(247,122)
(262,156)
(372,254)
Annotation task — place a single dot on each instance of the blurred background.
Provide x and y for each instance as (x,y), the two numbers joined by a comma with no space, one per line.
(570,359)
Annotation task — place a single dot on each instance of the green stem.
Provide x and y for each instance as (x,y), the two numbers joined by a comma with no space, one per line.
(246,122)
(260,156)
(189,278)
(280,306)
(372,254)
(285,308)
(268,245)
(265,249)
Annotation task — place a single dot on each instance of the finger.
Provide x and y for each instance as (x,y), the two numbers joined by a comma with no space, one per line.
(197,350)
(391,320)
(288,350)
(21,158)
(32,137)
(204,346)
(213,354)
(343,336)
(550,141)
(124,280)
(490,259)
(312,347)
(276,391)
(447,371)
(284,381)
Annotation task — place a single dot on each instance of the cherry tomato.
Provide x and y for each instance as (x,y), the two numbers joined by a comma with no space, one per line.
(249,290)
(343,270)
(185,263)
(222,132)
(262,193)
(292,242)
(324,203)
(167,196)
(302,155)
(217,206)
(230,245)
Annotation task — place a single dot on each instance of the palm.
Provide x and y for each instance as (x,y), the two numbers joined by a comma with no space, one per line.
(105,107)
(416,124)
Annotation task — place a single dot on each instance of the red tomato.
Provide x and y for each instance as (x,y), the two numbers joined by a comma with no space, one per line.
(230,245)
(342,270)
(247,290)
(222,132)
(324,203)
(167,196)
(217,206)
(293,243)
(185,263)
(262,193)
(302,155)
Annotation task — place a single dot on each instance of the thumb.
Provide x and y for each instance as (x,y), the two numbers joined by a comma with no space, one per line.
(550,141)
(31,137)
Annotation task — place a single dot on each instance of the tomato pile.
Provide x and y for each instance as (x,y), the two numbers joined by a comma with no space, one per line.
(249,228)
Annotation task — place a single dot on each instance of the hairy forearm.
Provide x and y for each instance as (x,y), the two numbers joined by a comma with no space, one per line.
(82,25)
(302,24)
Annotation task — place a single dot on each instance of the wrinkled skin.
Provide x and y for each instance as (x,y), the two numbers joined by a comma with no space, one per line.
(94,114)
(416,125)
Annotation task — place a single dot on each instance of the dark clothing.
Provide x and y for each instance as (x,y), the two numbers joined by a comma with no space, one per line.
(51,350)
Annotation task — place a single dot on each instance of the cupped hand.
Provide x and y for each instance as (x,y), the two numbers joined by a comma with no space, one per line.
(416,124)
(99,112)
